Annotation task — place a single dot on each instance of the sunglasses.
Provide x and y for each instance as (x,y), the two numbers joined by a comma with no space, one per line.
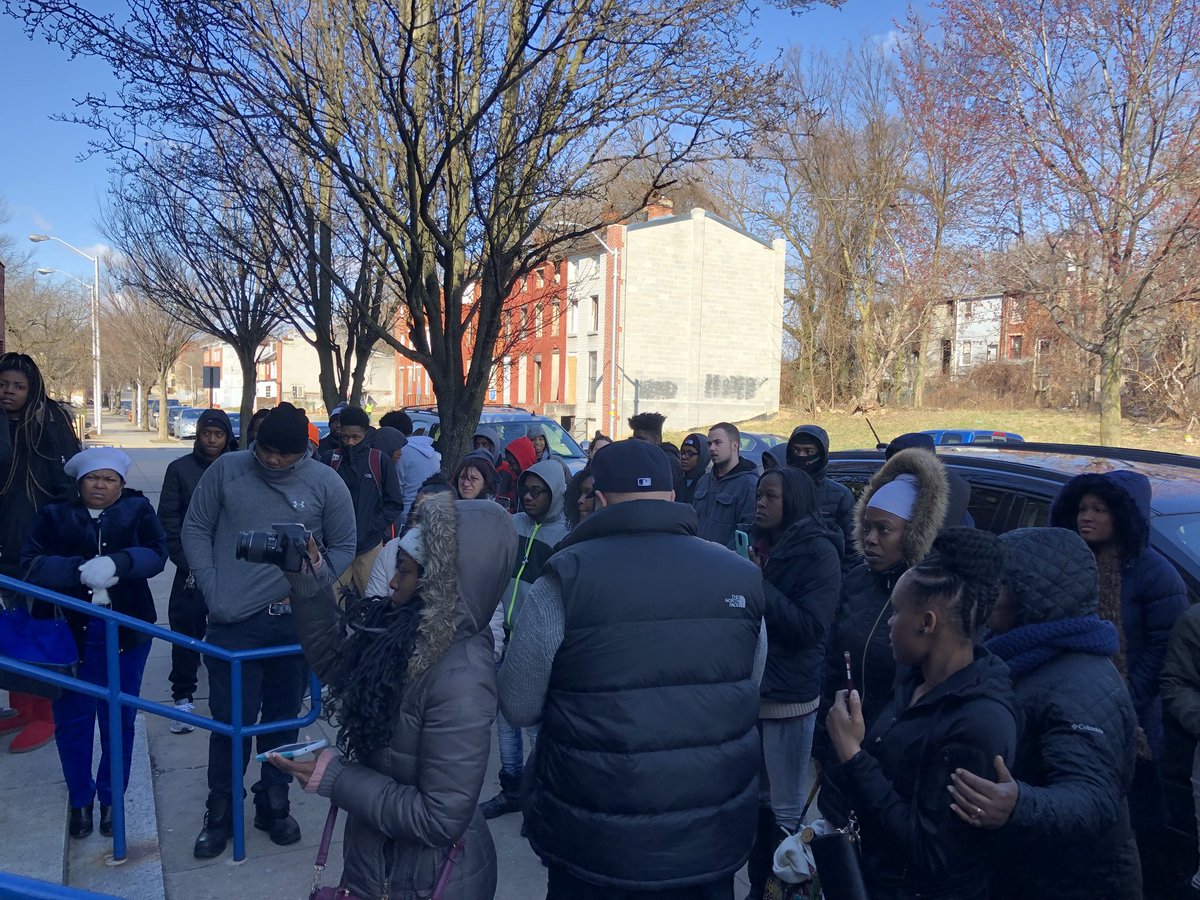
(534,493)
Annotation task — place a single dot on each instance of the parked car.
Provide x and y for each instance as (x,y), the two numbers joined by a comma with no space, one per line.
(752,446)
(1013,486)
(173,417)
(947,436)
(185,424)
(172,403)
(512,422)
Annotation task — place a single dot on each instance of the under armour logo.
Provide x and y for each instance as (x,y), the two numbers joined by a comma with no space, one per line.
(298,504)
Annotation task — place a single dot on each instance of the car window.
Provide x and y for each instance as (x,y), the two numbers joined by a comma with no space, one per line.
(1031,512)
(1182,532)
(951,437)
(561,443)
(988,506)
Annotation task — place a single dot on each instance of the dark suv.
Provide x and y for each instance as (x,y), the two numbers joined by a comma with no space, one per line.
(1013,485)
(511,422)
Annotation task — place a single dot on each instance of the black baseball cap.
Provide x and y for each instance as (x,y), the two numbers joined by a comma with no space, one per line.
(631,467)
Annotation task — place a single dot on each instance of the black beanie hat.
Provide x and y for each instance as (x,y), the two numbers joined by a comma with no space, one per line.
(285,429)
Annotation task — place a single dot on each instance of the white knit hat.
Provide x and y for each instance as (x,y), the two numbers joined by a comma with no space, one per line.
(413,544)
(93,459)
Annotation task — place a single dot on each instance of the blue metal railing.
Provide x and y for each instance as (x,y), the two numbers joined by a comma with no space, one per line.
(14,887)
(116,699)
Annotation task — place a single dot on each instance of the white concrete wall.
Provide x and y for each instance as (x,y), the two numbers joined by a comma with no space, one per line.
(587,276)
(703,321)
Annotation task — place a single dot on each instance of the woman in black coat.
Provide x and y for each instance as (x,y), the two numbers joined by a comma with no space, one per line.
(1063,808)
(102,547)
(895,522)
(952,709)
(801,566)
(41,440)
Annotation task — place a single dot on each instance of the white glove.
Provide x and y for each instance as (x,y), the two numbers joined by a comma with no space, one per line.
(100,572)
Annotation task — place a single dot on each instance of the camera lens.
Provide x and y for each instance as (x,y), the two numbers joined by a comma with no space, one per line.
(252,546)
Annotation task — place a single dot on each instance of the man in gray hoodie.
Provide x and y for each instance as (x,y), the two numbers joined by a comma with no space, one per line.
(276,482)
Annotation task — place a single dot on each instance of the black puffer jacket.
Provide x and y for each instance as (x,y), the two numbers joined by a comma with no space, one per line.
(837,500)
(802,581)
(860,625)
(913,844)
(1070,828)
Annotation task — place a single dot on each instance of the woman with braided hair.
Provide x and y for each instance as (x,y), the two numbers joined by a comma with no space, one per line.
(952,709)
(41,440)
(413,681)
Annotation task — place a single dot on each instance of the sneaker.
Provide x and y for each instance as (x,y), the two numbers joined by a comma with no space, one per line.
(178,727)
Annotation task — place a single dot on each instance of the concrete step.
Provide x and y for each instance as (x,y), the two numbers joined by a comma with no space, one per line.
(33,813)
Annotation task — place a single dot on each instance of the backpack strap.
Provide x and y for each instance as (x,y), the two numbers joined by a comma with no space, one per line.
(375,463)
(336,460)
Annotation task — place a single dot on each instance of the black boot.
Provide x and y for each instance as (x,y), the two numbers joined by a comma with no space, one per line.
(272,814)
(507,801)
(218,822)
(106,826)
(760,865)
(80,823)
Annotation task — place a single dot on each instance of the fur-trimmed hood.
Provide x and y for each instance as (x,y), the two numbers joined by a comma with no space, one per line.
(460,591)
(929,511)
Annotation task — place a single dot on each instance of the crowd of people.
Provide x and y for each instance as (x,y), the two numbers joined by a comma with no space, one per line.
(675,649)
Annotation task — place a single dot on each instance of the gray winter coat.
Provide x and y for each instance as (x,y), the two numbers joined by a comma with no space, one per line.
(409,804)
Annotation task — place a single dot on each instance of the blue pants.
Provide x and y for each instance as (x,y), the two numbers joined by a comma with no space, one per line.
(786,748)
(75,717)
(512,749)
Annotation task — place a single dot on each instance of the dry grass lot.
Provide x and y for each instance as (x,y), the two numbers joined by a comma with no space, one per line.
(849,432)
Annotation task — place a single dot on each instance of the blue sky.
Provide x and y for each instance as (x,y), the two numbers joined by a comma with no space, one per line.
(47,187)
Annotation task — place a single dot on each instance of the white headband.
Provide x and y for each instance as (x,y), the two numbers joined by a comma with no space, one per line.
(896,497)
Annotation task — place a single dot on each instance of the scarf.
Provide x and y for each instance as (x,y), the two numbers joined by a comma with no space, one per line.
(1109,563)
(1030,647)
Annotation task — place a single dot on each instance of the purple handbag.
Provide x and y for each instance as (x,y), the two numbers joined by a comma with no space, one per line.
(340,893)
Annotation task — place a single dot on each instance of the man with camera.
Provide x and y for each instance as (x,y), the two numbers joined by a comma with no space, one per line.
(279,491)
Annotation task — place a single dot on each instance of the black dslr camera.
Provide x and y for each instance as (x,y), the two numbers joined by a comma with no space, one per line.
(285,546)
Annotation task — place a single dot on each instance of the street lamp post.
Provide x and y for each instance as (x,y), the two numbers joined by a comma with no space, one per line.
(95,260)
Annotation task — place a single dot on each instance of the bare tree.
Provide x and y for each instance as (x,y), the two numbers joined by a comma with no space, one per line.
(190,248)
(1100,101)
(156,337)
(474,138)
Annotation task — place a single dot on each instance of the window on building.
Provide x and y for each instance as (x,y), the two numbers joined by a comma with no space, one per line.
(991,352)
(537,321)
(595,313)
(966,353)
(947,355)
(573,317)
(268,388)
(1016,314)
(1015,344)
(593,374)
(555,318)
(524,322)
(968,310)
(537,381)
(541,282)
(1043,346)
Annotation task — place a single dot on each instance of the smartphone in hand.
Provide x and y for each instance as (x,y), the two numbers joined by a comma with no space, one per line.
(292,751)
(849,675)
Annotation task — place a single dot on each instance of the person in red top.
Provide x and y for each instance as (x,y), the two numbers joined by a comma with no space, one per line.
(519,455)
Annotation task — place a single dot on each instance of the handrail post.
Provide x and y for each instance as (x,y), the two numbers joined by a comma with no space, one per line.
(237,776)
(116,739)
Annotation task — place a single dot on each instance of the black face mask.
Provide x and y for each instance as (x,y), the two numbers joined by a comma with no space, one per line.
(807,464)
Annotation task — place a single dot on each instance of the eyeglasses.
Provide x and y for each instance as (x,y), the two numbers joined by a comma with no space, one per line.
(534,493)
(688,454)
(588,495)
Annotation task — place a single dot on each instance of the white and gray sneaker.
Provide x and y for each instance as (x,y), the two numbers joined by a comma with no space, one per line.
(178,727)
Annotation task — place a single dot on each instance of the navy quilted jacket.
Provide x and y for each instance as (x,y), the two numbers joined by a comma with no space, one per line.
(1153,595)
(1070,828)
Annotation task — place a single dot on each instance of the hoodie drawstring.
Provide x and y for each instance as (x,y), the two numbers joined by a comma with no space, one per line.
(512,601)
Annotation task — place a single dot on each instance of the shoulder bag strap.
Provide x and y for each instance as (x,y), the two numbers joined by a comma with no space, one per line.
(448,869)
(323,849)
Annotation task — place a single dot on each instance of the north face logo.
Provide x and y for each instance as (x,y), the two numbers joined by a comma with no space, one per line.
(737,601)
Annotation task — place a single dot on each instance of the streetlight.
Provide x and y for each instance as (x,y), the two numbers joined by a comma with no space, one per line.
(95,260)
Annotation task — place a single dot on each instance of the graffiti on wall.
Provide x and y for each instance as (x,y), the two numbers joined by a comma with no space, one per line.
(658,389)
(731,387)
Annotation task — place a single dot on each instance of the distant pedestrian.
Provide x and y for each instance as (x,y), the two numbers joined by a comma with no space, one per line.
(725,494)
(579,500)
(541,446)
(375,491)
(952,708)
(518,456)
(252,428)
(775,458)
(648,426)
(419,460)
(694,461)
(41,440)
(414,681)
(475,478)
(488,438)
(808,450)
(636,653)
(599,439)
(186,609)
(332,440)
(102,547)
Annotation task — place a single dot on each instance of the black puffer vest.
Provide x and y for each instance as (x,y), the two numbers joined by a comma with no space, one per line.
(648,757)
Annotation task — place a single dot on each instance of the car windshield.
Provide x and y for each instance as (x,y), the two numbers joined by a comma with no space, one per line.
(561,443)
(1183,531)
